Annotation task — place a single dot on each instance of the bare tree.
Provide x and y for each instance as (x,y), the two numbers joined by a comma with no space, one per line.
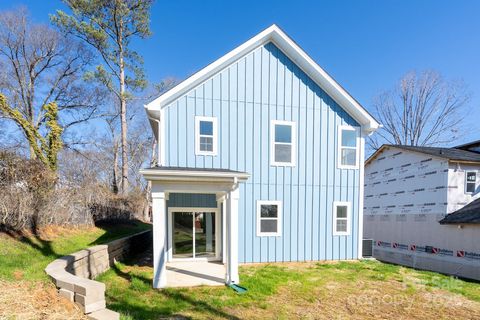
(109,27)
(41,67)
(423,110)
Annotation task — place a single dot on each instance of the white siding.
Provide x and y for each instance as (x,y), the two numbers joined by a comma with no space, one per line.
(457,198)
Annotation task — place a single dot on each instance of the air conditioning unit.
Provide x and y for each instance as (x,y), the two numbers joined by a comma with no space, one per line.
(367,248)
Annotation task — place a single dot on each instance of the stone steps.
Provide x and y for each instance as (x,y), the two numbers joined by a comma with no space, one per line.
(72,274)
(104,314)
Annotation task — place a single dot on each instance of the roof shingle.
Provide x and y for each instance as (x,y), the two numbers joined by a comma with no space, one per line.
(446,153)
(468,214)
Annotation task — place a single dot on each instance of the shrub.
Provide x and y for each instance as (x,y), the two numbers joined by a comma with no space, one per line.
(31,195)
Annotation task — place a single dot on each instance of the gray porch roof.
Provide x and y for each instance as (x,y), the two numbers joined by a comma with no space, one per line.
(468,214)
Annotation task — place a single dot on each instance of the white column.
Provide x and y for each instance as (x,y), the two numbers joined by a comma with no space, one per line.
(159,205)
(224,230)
(232,236)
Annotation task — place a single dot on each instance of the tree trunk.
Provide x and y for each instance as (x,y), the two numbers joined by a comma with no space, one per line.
(115,169)
(123,116)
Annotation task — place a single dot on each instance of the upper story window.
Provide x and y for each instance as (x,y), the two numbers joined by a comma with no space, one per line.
(283,143)
(470,181)
(206,136)
(269,218)
(348,150)
(341,218)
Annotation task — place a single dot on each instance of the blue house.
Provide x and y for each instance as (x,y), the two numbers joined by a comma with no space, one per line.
(260,160)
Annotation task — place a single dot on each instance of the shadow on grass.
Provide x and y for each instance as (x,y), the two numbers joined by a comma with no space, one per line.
(175,296)
(117,229)
(34,240)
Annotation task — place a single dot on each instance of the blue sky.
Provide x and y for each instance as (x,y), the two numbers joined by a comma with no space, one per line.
(365,45)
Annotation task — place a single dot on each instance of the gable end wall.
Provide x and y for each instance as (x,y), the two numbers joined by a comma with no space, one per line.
(260,87)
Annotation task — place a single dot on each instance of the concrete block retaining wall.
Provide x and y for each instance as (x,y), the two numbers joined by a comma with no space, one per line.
(72,274)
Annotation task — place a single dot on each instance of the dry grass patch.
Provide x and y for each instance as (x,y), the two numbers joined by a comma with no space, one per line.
(28,300)
(333,290)
(361,300)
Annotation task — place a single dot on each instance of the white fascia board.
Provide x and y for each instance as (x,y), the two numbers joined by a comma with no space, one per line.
(184,175)
(295,53)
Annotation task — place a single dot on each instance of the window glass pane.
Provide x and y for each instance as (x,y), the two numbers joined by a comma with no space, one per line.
(349,157)
(268,226)
(349,138)
(268,211)
(471,181)
(471,177)
(206,144)
(283,133)
(341,225)
(283,153)
(470,187)
(206,128)
(341,211)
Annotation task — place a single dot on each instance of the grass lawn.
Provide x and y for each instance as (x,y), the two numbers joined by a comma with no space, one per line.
(353,290)
(25,290)
(26,257)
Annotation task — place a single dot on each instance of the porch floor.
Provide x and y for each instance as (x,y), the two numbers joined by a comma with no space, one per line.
(195,273)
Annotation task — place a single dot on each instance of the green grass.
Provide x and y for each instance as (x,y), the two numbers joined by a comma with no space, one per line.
(280,291)
(27,257)
(272,289)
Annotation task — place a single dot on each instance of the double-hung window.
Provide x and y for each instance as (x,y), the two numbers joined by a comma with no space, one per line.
(470,181)
(283,143)
(348,147)
(341,218)
(269,218)
(206,136)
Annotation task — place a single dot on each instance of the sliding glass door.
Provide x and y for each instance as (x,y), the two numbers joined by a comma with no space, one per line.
(182,235)
(193,235)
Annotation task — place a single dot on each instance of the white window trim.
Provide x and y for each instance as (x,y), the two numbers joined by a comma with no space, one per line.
(474,189)
(279,218)
(349,207)
(339,147)
(293,143)
(199,152)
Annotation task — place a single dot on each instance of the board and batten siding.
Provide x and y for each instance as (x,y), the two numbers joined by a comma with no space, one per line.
(262,86)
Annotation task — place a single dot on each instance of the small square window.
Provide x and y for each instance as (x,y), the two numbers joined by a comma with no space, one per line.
(341,218)
(205,136)
(269,218)
(348,155)
(282,145)
(470,181)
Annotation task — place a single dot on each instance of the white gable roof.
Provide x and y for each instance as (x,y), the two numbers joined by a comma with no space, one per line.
(294,52)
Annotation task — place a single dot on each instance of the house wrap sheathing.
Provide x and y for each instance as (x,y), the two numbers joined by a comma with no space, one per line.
(408,192)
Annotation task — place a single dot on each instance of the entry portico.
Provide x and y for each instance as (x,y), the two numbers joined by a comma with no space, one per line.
(221,184)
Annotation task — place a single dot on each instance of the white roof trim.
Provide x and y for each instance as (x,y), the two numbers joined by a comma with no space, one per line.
(192,175)
(295,53)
